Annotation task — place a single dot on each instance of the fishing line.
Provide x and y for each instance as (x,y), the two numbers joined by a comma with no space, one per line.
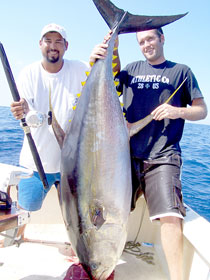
(175,92)
(135,127)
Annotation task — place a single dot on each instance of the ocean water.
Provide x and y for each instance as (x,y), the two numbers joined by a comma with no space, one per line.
(195,146)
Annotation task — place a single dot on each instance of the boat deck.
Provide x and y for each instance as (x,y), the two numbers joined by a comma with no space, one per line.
(47,255)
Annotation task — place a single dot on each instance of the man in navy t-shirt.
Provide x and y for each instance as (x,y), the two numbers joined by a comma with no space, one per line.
(147,88)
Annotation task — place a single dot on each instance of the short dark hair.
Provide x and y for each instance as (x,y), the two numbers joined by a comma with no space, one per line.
(159,31)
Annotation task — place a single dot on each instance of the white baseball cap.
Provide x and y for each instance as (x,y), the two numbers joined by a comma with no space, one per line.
(52,27)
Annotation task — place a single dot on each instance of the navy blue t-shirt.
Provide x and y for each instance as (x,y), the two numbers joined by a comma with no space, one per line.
(145,87)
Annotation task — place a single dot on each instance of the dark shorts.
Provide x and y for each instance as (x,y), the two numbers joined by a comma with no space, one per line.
(159,181)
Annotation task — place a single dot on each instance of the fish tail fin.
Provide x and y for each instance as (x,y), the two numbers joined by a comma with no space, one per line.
(127,22)
(110,13)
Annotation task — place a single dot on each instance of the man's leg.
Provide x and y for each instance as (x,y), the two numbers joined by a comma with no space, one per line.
(172,243)
(31,195)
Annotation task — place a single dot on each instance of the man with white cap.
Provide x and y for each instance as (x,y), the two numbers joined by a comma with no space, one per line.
(46,86)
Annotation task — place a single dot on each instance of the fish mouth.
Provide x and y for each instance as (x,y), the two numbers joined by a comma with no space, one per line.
(105,274)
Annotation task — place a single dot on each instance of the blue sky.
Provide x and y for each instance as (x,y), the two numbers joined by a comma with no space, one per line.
(187,40)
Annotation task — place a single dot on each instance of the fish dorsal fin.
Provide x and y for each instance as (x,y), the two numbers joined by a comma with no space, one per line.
(130,23)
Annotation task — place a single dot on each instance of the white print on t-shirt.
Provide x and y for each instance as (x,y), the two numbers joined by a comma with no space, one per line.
(150,78)
(147,85)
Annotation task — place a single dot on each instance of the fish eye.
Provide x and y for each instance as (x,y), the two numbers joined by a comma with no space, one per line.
(94,266)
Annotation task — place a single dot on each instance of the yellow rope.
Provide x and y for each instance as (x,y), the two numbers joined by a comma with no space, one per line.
(134,249)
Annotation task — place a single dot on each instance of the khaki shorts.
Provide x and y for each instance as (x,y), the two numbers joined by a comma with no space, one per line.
(159,181)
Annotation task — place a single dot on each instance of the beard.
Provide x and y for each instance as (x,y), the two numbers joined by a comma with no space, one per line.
(52,58)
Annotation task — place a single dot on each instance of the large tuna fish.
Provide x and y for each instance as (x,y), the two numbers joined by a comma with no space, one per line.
(95,189)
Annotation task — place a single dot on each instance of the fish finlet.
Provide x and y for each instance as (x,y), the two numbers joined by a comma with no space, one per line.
(116,83)
(83,83)
(114,64)
(114,73)
(74,107)
(78,94)
(119,93)
(114,57)
(87,73)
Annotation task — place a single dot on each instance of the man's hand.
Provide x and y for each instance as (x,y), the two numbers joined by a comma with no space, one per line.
(100,50)
(166,111)
(197,111)
(19,108)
